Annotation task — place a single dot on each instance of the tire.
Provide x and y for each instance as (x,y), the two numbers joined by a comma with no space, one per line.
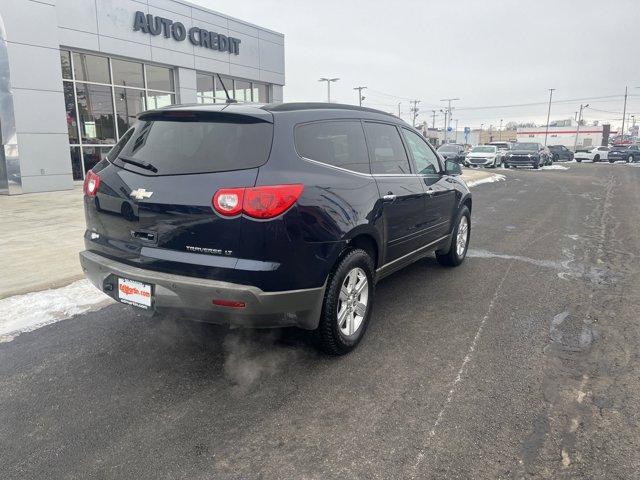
(611,160)
(556,157)
(505,165)
(596,158)
(453,258)
(535,166)
(333,336)
(630,159)
(579,160)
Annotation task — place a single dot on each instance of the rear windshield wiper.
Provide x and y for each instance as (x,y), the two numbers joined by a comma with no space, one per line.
(138,163)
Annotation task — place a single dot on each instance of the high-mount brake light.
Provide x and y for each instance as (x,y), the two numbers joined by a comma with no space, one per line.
(262,202)
(91,184)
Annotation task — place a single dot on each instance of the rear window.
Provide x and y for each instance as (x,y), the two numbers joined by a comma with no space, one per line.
(195,145)
(338,143)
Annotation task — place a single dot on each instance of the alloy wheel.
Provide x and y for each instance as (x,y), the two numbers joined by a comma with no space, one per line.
(353,301)
(462,237)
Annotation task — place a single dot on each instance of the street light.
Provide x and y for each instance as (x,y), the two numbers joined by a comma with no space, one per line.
(329,81)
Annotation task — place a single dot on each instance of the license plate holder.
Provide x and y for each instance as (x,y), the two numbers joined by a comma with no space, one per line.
(135,293)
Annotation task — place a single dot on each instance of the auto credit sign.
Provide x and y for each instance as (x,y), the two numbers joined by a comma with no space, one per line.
(201,37)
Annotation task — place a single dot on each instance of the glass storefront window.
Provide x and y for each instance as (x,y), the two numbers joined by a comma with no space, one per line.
(228,83)
(91,68)
(65,63)
(93,155)
(129,103)
(160,99)
(159,78)
(205,92)
(127,74)
(70,108)
(76,164)
(242,90)
(95,103)
(260,93)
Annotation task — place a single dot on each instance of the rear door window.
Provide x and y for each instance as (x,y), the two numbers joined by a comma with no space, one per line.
(386,150)
(338,142)
(194,144)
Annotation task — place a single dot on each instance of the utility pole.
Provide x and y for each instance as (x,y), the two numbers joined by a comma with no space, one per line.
(329,81)
(480,136)
(546,131)
(448,111)
(360,97)
(500,131)
(433,124)
(624,113)
(414,110)
(575,143)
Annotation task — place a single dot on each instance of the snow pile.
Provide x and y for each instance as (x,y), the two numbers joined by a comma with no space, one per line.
(496,177)
(554,167)
(25,313)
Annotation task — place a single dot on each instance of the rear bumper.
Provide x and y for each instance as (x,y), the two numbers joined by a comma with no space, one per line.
(192,296)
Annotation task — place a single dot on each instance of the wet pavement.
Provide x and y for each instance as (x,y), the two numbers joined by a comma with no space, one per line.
(521,363)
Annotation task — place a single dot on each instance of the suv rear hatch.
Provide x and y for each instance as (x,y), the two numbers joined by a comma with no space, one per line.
(153,204)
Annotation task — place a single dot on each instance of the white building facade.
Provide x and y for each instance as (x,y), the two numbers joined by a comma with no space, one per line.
(75,73)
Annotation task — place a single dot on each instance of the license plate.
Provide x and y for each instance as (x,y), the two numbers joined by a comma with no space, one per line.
(134,293)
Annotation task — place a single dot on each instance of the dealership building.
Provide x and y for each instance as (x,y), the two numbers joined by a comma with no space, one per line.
(75,73)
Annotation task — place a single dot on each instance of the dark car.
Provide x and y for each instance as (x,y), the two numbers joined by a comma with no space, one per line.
(267,216)
(527,154)
(453,151)
(560,152)
(627,153)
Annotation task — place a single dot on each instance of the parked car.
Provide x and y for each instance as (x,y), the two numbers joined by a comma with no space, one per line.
(627,153)
(483,156)
(560,152)
(527,154)
(503,149)
(271,215)
(452,151)
(595,154)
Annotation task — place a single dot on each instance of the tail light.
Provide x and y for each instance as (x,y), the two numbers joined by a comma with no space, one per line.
(91,184)
(257,202)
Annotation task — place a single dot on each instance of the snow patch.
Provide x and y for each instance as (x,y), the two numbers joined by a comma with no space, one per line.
(25,313)
(496,177)
(554,167)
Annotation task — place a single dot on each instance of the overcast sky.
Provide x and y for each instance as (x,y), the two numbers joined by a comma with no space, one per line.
(486,52)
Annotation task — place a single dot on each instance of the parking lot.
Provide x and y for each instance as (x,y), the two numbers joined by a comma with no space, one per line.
(522,362)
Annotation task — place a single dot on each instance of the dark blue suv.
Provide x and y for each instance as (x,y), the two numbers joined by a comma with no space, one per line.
(266,216)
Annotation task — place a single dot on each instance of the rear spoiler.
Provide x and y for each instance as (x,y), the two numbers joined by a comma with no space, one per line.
(236,113)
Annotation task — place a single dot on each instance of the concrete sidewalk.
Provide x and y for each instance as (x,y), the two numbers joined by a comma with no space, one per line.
(42,233)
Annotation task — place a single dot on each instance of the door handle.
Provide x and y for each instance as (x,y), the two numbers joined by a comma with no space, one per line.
(389,197)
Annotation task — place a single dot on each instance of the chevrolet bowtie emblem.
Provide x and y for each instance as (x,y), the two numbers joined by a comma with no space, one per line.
(141,194)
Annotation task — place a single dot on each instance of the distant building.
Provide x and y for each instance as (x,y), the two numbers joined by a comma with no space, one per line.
(567,135)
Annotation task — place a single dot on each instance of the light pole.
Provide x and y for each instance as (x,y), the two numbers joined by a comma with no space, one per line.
(480,136)
(329,81)
(546,131)
(624,114)
(500,131)
(360,97)
(434,119)
(456,140)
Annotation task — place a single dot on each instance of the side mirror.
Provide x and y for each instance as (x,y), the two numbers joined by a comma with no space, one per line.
(452,168)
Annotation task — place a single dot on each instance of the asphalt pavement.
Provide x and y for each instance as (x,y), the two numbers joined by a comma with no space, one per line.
(521,363)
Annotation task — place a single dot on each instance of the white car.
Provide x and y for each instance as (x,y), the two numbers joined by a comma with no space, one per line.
(595,154)
(483,156)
